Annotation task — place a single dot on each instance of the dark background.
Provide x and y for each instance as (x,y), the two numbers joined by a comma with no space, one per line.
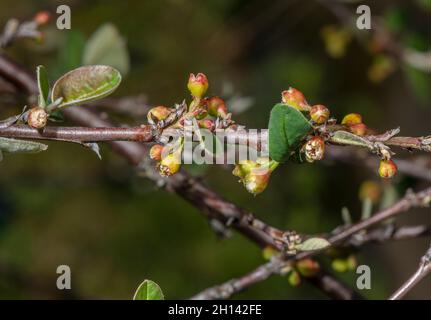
(115,229)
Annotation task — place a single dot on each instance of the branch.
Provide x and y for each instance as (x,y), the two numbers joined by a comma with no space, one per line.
(82,134)
(275,266)
(423,270)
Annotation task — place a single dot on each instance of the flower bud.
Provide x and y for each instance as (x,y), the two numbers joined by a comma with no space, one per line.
(170,164)
(387,168)
(159,113)
(319,113)
(314,149)
(307,267)
(37,117)
(156,152)
(370,190)
(197,85)
(206,124)
(217,107)
(359,129)
(295,98)
(294,278)
(42,17)
(255,174)
(352,119)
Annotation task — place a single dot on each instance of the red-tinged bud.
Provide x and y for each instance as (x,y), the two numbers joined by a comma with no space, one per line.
(307,267)
(37,118)
(255,174)
(217,107)
(359,129)
(42,18)
(170,164)
(370,190)
(206,124)
(158,113)
(319,113)
(197,85)
(387,168)
(294,278)
(314,149)
(295,98)
(156,152)
(352,119)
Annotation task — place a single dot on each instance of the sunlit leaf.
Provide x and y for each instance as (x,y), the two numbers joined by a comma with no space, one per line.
(313,244)
(148,290)
(86,84)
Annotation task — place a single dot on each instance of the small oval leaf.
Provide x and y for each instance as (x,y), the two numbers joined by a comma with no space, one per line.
(86,84)
(21,146)
(313,244)
(344,137)
(148,290)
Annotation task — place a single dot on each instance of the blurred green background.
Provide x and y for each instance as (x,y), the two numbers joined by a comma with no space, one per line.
(115,229)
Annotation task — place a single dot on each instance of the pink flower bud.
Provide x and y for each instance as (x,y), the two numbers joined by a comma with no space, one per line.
(295,98)
(198,85)
(42,17)
(387,168)
(359,129)
(217,107)
(156,152)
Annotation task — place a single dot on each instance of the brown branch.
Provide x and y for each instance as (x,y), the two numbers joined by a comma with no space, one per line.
(81,134)
(275,266)
(423,270)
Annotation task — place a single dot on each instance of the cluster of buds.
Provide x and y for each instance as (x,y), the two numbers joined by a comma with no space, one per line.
(206,110)
(255,174)
(353,121)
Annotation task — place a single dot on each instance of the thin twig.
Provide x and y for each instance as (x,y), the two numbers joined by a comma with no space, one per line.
(423,270)
(275,266)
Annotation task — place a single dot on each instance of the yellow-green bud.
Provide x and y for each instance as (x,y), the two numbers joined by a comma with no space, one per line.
(198,85)
(319,113)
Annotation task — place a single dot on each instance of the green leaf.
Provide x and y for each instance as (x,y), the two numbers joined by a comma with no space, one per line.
(148,290)
(43,86)
(287,127)
(296,127)
(313,244)
(21,146)
(86,84)
(107,47)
